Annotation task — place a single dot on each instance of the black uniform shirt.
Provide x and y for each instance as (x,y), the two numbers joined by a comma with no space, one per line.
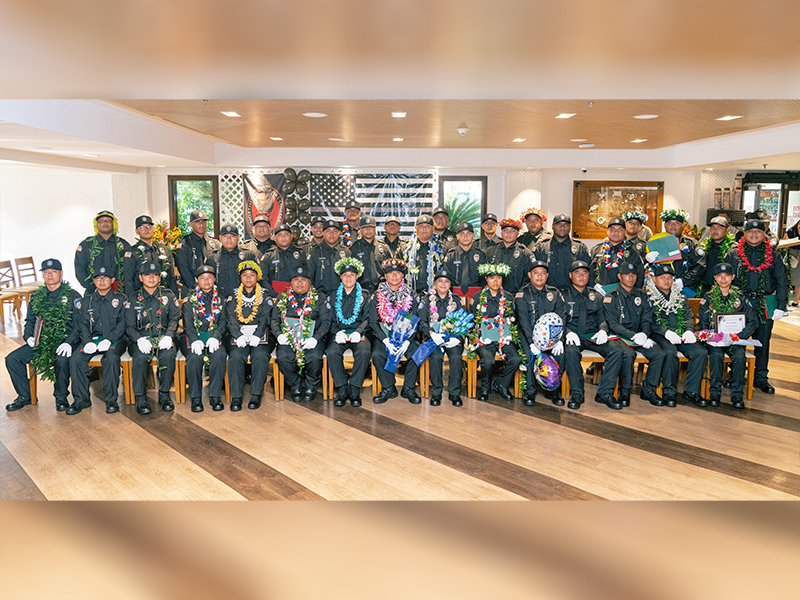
(516,256)
(279,264)
(585,312)
(108,251)
(628,313)
(606,276)
(559,257)
(531,303)
(708,314)
(397,246)
(103,316)
(152,315)
(441,310)
(463,266)
(695,259)
(328,312)
(190,311)
(485,243)
(321,325)
(375,319)
(226,263)
(531,240)
(448,239)
(323,260)
(159,254)
(712,260)
(257,247)
(73,303)
(261,320)
(371,254)
(191,254)
(774,277)
(672,317)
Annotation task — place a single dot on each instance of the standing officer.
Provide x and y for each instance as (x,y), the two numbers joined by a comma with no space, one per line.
(635,226)
(194,249)
(534,219)
(281,261)
(204,325)
(560,251)
(510,252)
(324,258)
(101,327)
(106,249)
(760,272)
(317,226)
(586,328)
(56,305)
(607,257)
(424,255)
(392,238)
(488,236)
(152,317)
(352,212)
(463,260)
(262,237)
(149,251)
(629,315)
(716,247)
(440,222)
(690,268)
(226,260)
(370,253)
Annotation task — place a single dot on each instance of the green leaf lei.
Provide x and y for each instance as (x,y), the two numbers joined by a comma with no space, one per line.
(54,328)
(96,250)
(722,249)
(296,342)
(717,304)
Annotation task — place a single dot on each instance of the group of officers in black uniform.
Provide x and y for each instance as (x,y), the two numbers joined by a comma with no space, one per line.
(342,289)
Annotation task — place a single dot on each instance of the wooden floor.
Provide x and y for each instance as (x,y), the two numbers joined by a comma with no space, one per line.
(396,451)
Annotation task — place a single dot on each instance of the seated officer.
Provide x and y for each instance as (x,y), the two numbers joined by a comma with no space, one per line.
(247,314)
(723,298)
(57,305)
(204,326)
(101,326)
(673,330)
(299,353)
(347,312)
(462,260)
(494,306)
(586,319)
(629,315)
(434,308)
(152,317)
(532,301)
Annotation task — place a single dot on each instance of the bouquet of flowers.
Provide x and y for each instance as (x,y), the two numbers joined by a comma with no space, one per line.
(403,327)
(170,237)
(456,325)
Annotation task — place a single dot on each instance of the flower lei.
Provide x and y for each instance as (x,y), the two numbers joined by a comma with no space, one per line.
(256,304)
(348,236)
(198,301)
(54,328)
(162,256)
(722,248)
(435,256)
(624,250)
(390,301)
(95,252)
(745,265)
(451,305)
(296,338)
(356,309)
(719,305)
(154,339)
(673,303)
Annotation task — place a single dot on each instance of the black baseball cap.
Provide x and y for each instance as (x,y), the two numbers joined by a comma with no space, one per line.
(198,215)
(440,209)
(102,272)
(148,268)
(317,219)
(755,224)
(331,223)
(616,221)
(442,273)
(723,268)
(465,226)
(392,219)
(538,263)
(143,220)
(561,218)
(261,218)
(301,272)
(424,220)
(719,221)
(229,228)
(578,264)
(282,227)
(205,269)
(628,266)
(489,217)
(663,269)
(352,204)
(368,221)
(51,263)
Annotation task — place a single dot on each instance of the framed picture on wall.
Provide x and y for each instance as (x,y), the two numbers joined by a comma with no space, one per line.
(594,203)
(464,199)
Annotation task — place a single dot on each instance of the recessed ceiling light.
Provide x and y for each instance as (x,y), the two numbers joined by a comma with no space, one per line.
(399,115)
(230,113)
(586,146)
(645,116)
(710,169)
(336,139)
(638,140)
(397,139)
(92,155)
(566,115)
(161,166)
(729,118)
(276,139)
(579,140)
(620,168)
(315,115)
(517,140)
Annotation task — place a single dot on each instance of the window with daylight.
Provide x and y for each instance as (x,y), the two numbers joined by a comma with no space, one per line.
(188,193)
(464,199)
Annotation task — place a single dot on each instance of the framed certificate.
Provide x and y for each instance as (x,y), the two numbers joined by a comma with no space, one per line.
(730,322)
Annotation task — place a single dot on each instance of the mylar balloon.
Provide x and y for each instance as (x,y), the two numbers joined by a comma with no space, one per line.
(546,371)
(290,174)
(303,176)
(302,189)
(547,331)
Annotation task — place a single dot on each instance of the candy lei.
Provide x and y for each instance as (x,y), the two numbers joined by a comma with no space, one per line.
(198,301)
(296,338)
(356,309)
(719,305)
(387,310)
(451,305)
(623,251)
(240,300)
(746,266)
(662,307)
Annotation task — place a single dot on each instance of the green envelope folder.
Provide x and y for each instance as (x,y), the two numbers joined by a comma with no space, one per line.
(492,334)
(99,338)
(294,324)
(667,247)
(610,288)
(770,304)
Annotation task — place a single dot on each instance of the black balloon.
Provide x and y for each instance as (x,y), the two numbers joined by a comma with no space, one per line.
(290,174)
(303,176)
(305,217)
(291,216)
(288,188)
(290,204)
(296,231)
(302,189)
(304,205)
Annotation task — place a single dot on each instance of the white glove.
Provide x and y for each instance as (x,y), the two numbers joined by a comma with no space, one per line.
(600,338)
(213,345)
(90,348)
(486,341)
(535,350)
(30,341)
(452,342)
(197,347)
(688,337)
(389,346)
(340,337)
(558,349)
(648,343)
(355,337)
(639,338)
(437,338)
(104,345)
(679,281)
(599,289)
(254,341)
(283,340)
(145,347)
(165,343)
(404,347)
(651,256)
(673,337)
(241,341)
(64,350)
(573,339)
(310,343)
(779,314)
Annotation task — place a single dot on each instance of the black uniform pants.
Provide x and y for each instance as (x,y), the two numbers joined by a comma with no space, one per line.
(436,363)
(312,371)
(361,354)
(79,370)
(486,356)
(141,365)
(217,363)
(716,362)
(387,379)
(16,363)
(616,361)
(763,334)
(697,355)
(259,367)
(655,365)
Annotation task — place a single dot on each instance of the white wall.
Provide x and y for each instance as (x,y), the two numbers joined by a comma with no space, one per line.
(45,213)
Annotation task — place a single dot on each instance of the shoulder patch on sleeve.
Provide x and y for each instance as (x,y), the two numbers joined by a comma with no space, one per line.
(703,301)
(607,300)
(127,255)
(178,246)
(79,248)
(519,295)
(127,305)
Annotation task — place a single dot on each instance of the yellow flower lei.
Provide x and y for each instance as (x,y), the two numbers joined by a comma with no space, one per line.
(256,305)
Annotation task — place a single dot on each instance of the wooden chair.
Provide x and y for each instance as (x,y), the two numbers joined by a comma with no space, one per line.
(472,377)
(424,375)
(25,268)
(8,292)
(125,363)
(328,376)
(425,380)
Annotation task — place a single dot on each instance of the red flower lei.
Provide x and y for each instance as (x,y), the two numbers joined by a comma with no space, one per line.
(620,254)
(199,301)
(743,257)
(294,304)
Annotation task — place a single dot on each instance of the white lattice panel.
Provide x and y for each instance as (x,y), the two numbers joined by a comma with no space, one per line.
(709,181)
(523,190)
(129,199)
